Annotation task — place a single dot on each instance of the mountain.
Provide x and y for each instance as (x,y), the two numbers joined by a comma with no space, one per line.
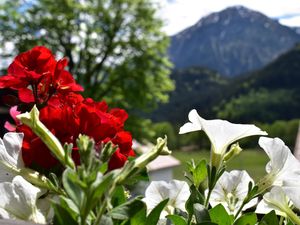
(297,29)
(233,41)
(266,95)
(269,94)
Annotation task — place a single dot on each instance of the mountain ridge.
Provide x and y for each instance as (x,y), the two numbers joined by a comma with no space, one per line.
(265,95)
(233,41)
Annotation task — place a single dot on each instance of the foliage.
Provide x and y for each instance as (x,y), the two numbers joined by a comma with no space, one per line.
(165,128)
(265,95)
(272,105)
(252,160)
(196,87)
(115,49)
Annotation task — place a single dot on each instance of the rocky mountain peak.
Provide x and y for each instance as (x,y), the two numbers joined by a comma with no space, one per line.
(233,41)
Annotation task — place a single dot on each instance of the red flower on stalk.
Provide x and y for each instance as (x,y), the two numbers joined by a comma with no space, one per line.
(42,80)
(70,116)
(36,75)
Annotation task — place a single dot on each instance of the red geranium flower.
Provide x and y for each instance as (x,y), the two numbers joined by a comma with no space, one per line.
(71,115)
(42,80)
(28,68)
(36,75)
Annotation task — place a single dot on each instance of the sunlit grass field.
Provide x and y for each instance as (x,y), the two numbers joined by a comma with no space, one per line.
(253,161)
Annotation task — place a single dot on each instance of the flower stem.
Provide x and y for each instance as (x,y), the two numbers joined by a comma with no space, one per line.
(239,210)
(281,220)
(130,169)
(292,216)
(207,199)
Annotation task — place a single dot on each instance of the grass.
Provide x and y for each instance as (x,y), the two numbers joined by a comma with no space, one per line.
(253,161)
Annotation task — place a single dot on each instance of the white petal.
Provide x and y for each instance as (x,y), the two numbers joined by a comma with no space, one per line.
(291,188)
(13,144)
(250,204)
(179,193)
(264,208)
(5,215)
(230,191)
(276,150)
(273,200)
(44,207)
(10,154)
(220,132)
(283,163)
(194,125)
(223,133)
(18,198)
(176,191)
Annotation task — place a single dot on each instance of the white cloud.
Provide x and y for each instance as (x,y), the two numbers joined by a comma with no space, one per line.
(180,14)
(293,22)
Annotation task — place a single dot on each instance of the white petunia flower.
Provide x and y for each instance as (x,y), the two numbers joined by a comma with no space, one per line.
(176,191)
(277,200)
(283,176)
(221,133)
(282,165)
(231,190)
(19,200)
(273,200)
(291,188)
(10,155)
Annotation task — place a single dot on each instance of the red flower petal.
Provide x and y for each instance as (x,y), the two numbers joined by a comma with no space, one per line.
(26,95)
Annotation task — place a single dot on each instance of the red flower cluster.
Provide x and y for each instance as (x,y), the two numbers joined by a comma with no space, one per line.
(42,80)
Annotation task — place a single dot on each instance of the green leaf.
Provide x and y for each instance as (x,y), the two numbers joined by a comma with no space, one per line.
(154,215)
(199,172)
(290,223)
(207,223)
(99,187)
(201,213)
(220,216)
(61,215)
(103,167)
(195,197)
(70,182)
(247,219)
(118,197)
(106,220)
(141,176)
(140,217)
(127,210)
(69,205)
(269,219)
(177,220)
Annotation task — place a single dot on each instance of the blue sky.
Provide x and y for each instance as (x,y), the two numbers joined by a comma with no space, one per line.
(179,14)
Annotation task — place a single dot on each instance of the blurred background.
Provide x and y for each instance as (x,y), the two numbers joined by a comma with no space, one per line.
(235,60)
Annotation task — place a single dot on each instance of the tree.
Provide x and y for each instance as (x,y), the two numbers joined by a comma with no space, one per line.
(116,48)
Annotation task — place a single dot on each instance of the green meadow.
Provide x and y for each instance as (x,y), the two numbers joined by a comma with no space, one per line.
(253,161)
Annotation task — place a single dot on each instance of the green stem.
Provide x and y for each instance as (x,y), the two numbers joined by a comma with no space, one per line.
(281,220)
(33,177)
(104,203)
(292,216)
(215,159)
(239,210)
(131,168)
(207,199)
